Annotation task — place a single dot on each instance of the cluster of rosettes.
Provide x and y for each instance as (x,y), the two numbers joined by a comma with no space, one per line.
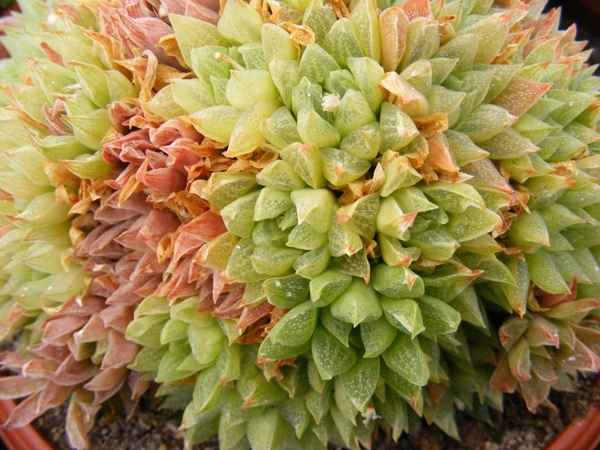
(77,256)
(424,152)
(321,218)
(70,343)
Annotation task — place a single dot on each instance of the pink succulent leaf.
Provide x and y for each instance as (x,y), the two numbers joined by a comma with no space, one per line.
(119,352)
(117,317)
(148,264)
(519,360)
(130,148)
(80,413)
(125,267)
(52,396)
(93,331)
(171,131)
(534,392)
(124,295)
(158,224)
(110,250)
(72,372)
(149,286)
(39,368)
(49,351)
(144,33)
(511,331)
(161,180)
(177,285)
(502,379)
(58,330)
(101,396)
(8,22)
(582,358)
(129,239)
(14,360)
(252,315)
(547,300)
(156,159)
(53,117)
(17,386)
(205,303)
(185,244)
(417,8)
(103,286)
(590,337)
(198,274)
(205,227)
(137,9)
(120,112)
(573,311)
(180,155)
(135,202)
(24,413)
(174,6)
(520,95)
(84,250)
(109,380)
(114,215)
(137,384)
(104,244)
(229,307)
(213,5)
(200,12)
(542,332)
(83,308)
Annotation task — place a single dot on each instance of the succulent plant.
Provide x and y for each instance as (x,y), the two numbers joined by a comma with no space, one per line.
(304,220)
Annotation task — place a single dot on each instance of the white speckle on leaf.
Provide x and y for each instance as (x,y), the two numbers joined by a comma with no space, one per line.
(331,102)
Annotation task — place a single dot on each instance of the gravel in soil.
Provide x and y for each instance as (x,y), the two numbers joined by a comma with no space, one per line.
(515,429)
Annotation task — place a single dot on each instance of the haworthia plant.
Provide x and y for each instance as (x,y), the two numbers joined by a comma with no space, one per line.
(303,220)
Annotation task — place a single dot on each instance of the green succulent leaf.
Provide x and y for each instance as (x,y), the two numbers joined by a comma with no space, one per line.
(297,326)
(406,358)
(360,381)
(377,336)
(357,304)
(330,355)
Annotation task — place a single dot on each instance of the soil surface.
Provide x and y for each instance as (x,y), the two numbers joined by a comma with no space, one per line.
(515,429)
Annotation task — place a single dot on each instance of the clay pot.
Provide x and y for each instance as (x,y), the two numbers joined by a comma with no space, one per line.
(24,438)
(582,434)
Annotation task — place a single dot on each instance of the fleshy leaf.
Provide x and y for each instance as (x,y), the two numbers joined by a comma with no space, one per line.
(297,326)
(377,336)
(404,314)
(357,304)
(406,358)
(330,355)
(361,381)
(397,281)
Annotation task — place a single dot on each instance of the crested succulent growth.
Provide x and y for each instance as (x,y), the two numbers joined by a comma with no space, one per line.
(305,220)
